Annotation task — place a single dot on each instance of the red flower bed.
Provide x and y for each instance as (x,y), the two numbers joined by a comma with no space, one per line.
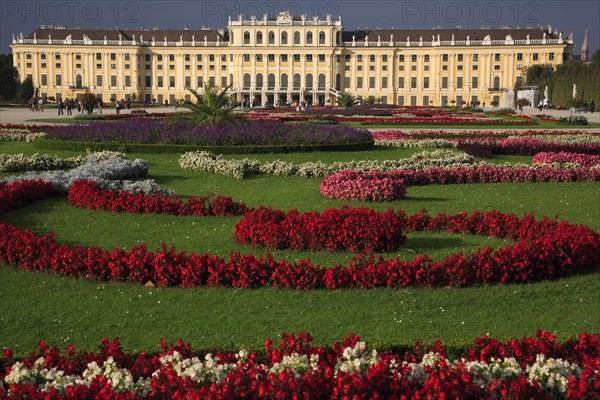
(33,128)
(20,194)
(368,186)
(525,146)
(86,194)
(545,249)
(585,160)
(345,229)
(422,134)
(296,369)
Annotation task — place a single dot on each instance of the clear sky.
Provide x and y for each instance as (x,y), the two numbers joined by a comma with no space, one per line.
(567,15)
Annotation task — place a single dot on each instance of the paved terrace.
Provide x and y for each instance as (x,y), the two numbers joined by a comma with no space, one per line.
(18,115)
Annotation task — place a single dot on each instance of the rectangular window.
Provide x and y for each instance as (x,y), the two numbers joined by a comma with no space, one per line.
(211,57)
(519,56)
(200,84)
(413,100)
(223,57)
(497,57)
(475,67)
(459,67)
(43,56)
(444,82)
(246,57)
(78,66)
(284,58)
(426,57)
(199,67)
(372,82)
(58,80)
(28,56)
(359,82)
(113,66)
(147,57)
(296,57)
(444,68)
(160,81)
(425,100)
(187,66)
(519,66)
(148,81)
(211,81)
(475,82)
(413,58)
(401,82)
(475,57)
(400,100)
(78,56)
(459,58)
(413,82)
(551,56)
(113,56)
(43,65)
(172,67)
(384,58)
(188,81)
(401,58)
(186,57)
(57,56)
(372,58)
(309,58)
(426,82)
(44,80)
(271,57)
(347,58)
(57,65)
(127,80)
(199,57)
(413,67)
(346,81)
(223,81)
(444,57)
(496,68)
(159,67)
(113,80)
(171,57)
(171,81)
(401,68)
(459,82)
(28,65)
(383,99)
(535,56)
(99,80)
(159,57)
(359,58)
(384,82)
(321,57)
(371,68)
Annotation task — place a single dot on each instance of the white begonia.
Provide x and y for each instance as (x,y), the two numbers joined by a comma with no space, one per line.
(19,135)
(240,169)
(202,372)
(299,364)
(356,359)
(552,374)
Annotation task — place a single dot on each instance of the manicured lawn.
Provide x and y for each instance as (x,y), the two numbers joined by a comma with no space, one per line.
(35,306)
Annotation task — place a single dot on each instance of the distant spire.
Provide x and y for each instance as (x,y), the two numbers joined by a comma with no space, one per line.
(584,48)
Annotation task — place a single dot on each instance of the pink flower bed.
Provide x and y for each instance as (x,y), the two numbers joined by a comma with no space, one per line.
(86,194)
(585,160)
(295,369)
(344,181)
(368,186)
(421,134)
(345,229)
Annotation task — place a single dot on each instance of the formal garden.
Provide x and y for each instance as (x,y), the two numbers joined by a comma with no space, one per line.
(277,256)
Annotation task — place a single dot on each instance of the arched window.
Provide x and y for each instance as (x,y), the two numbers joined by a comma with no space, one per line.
(321,81)
(338,82)
(259,81)
(246,37)
(296,81)
(296,37)
(246,81)
(284,39)
(284,81)
(78,82)
(271,81)
(258,37)
(497,83)
(321,37)
(271,37)
(309,37)
(309,80)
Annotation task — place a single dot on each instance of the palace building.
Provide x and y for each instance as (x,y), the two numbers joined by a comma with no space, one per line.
(276,60)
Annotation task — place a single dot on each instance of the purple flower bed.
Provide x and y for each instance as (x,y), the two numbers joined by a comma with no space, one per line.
(182,132)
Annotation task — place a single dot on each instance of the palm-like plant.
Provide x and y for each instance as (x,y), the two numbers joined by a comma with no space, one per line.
(212,107)
(345,99)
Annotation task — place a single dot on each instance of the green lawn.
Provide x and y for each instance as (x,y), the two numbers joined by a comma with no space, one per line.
(35,306)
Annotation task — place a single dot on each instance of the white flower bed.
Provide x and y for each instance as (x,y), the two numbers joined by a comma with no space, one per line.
(551,374)
(209,162)
(111,173)
(46,162)
(19,135)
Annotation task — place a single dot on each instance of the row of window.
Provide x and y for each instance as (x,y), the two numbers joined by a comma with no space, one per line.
(284,37)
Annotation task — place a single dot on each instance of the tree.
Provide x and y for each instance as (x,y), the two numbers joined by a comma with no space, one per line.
(26,89)
(9,78)
(494,103)
(89,100)
(346,100)
(133,97)
(371,100)
(213,107)
(523,103)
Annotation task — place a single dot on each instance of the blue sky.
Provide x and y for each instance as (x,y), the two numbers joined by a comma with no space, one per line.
(568,16)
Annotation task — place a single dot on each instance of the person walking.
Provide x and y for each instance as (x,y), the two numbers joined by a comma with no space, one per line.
(592,106)
(69,106)
(61,105)
(41,104)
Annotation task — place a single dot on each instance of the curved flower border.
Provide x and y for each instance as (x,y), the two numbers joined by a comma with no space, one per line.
(545,249)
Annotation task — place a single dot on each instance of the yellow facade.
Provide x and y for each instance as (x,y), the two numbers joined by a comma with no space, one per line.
(273,61)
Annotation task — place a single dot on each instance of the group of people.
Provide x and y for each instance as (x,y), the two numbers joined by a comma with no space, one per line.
(121,104)
(69,105)
(36,104)
(585,107)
